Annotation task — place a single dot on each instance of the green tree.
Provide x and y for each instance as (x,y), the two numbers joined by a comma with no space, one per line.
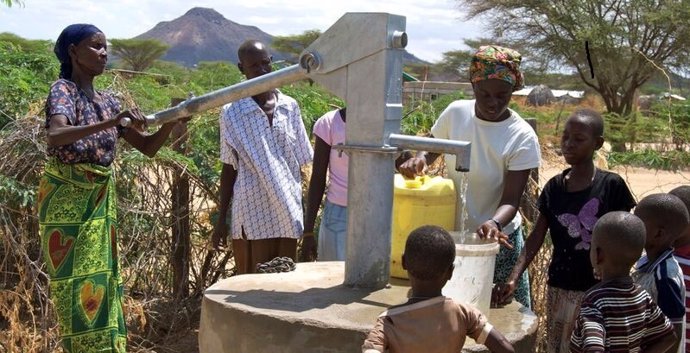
(626,39)
(293,45)
(27,45)
(26,70)
(138,54)
(9,3)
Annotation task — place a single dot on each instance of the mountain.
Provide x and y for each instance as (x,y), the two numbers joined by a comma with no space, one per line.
(409,58)
(203,34)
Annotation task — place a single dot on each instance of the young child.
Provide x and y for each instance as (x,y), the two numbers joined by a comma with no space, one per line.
(569,206)
(682,254)
(616,315)
(665,218)
(263,145)
(430,322)
(329,130)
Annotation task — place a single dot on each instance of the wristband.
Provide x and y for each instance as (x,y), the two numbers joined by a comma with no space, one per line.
(486,330)
(498,224)
(307,234)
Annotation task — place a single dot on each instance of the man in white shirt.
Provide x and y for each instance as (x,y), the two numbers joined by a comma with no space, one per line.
(263,146)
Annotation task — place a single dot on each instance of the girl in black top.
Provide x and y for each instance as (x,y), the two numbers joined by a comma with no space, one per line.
(569,206)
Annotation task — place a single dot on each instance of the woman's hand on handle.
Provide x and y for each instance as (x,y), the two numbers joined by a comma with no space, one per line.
(137,119)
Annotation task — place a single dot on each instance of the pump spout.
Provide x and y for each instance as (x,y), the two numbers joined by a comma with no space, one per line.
(461,149)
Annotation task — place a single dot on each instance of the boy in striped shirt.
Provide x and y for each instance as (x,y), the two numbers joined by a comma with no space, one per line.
(682,254)
(616,315)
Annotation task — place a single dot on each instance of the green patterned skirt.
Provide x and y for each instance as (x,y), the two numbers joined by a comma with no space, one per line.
(77,219)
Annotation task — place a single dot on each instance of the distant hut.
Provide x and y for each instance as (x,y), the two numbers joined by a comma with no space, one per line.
(540,95)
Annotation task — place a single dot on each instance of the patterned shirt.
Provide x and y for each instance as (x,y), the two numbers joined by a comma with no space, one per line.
(436,325)
(682,255)
(67,99)
(267,196)
(663,280)
(667,287)
(618,316)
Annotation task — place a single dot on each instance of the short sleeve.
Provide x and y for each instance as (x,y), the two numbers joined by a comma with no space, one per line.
(526,154)
(671,299)
(621,197)
(376,339)
(589,331)
(60,102)
(303,149)
(322,128)
(657,325)
(228,155)
(545,196)
(442,125)
(114,106)
(474,321)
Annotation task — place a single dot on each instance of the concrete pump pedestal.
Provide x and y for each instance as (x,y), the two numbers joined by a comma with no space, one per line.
(309,310)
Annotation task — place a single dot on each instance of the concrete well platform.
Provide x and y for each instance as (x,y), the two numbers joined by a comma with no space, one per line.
(309,310)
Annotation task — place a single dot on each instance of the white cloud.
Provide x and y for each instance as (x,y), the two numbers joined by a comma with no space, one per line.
(433,26)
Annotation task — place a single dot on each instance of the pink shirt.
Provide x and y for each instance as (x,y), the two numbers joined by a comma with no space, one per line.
(331,129)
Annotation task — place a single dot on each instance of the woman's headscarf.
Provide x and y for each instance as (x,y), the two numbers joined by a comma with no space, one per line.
(494,62)
(72,34)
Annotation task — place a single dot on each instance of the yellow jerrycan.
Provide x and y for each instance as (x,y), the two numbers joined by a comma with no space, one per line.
(416,202)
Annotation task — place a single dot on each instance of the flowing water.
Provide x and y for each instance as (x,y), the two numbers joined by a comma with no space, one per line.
(461,203)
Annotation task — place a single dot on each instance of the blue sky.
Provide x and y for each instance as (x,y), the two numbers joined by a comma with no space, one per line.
(433,26)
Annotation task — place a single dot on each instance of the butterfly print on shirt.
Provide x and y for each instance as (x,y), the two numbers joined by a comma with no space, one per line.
(581,225)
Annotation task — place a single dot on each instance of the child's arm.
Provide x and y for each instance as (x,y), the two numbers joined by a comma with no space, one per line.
(664,344)
(376,339)
(589,333)
(497,343)
(660,336)
(671,301)
(532,246)
(675,339)
(317,186)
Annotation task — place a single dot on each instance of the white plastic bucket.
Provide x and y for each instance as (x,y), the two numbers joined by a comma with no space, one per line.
(472,279)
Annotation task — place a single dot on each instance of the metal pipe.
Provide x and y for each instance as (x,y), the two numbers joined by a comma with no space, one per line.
(229,94)
(461,149)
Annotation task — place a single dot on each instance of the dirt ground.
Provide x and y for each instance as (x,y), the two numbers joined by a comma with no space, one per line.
(641,181)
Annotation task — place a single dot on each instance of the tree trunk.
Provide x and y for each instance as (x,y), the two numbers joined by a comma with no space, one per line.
(180,213)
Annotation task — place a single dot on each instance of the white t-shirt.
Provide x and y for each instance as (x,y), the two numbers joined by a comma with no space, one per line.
(497,147)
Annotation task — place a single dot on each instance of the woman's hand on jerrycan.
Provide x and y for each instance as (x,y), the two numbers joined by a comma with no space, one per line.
(413,167)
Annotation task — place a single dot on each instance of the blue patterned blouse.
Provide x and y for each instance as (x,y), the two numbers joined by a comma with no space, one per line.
(67,99)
